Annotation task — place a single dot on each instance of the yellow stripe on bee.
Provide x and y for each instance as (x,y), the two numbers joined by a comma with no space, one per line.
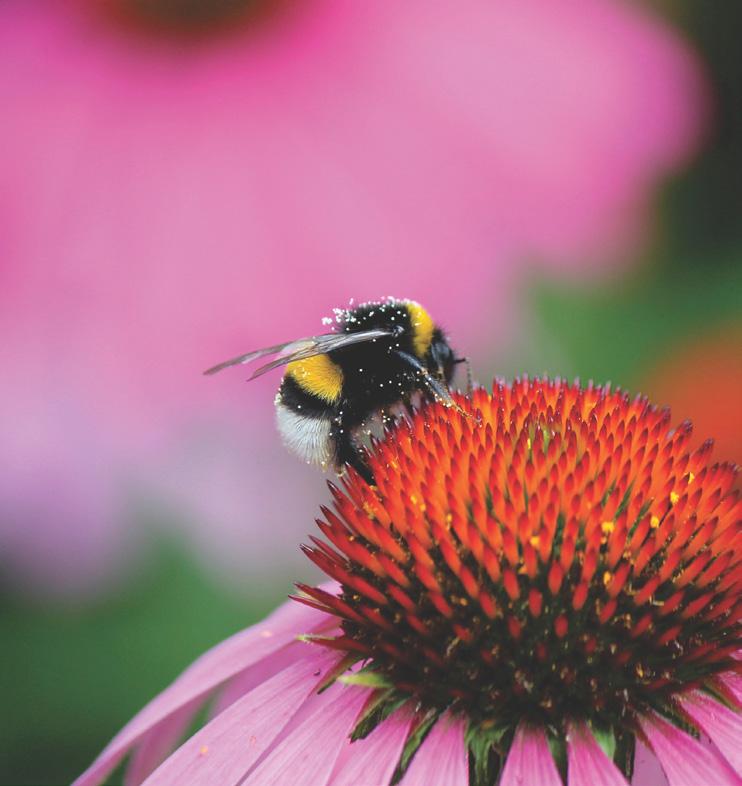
(319,376)
(422,328)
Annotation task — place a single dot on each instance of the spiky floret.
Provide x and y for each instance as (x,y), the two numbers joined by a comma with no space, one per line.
(548,553)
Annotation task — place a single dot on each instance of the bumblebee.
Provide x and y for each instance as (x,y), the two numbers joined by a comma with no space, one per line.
(380,355)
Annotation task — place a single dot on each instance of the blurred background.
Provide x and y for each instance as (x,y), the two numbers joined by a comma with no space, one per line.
(558,181)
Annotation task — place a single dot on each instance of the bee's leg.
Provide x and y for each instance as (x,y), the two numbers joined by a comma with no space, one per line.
(346,451)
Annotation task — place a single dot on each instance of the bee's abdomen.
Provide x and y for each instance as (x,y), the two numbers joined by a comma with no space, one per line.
(305,422)
(319,376)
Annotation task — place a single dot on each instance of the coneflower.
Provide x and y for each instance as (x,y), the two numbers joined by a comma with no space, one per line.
(537,586)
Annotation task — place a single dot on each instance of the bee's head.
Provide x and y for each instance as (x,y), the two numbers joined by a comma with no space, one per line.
(441,359)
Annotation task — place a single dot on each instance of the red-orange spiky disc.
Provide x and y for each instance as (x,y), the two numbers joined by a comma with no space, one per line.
(548,551)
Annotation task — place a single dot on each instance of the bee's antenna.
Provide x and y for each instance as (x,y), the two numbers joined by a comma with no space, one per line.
(469,378)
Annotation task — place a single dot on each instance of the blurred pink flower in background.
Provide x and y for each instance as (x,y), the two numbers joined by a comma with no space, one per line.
(167,201)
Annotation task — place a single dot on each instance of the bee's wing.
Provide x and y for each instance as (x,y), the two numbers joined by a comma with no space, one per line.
(300,349)
(248,357)
(321,345)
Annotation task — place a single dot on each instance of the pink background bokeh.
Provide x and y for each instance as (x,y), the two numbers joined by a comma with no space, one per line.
(165,204)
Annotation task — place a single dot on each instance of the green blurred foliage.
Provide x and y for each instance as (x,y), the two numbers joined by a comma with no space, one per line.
(73,676)
(702,209)
(617,333)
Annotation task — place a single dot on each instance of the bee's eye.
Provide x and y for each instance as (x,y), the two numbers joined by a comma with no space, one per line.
(441,360)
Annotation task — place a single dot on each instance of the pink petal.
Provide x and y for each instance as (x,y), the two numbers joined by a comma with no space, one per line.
(723,726)
(587,764)
(442,759)
(307,752)
(157,743)
(733,683)
(232,656)
(647,769)
(373,759)
(530,760)
(225,749)
(244,682)
(685,761)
